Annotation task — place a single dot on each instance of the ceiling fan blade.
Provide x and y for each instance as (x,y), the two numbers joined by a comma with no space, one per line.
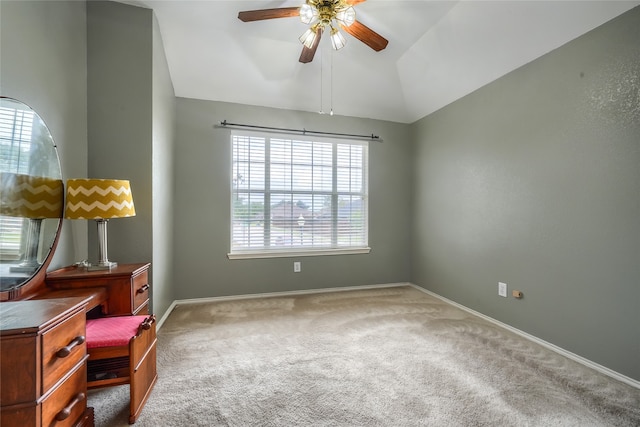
(366,35)
(308,53)
(258,15)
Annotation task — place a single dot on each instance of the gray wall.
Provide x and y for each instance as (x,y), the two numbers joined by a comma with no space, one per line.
(130,109)
(43,47)
(120,119)
(163,126)
(534,180)
(202,200)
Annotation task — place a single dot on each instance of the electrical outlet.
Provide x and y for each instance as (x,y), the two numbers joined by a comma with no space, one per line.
(502,289)
(297,267)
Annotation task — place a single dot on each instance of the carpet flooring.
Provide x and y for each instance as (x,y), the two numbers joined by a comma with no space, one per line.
(377,357)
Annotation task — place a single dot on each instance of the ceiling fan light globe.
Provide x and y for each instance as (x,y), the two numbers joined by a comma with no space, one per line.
(308,38)
(346,16)
(337,39)
(307,13)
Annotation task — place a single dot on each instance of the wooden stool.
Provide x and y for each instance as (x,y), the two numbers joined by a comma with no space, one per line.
(122,350)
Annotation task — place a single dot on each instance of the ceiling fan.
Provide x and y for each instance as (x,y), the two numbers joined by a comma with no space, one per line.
(322,15)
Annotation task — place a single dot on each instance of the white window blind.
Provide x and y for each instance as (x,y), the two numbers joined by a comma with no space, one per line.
(293,195)
(16,127)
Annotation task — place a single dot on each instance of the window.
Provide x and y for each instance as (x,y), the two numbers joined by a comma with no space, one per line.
(298,196)
(15,150)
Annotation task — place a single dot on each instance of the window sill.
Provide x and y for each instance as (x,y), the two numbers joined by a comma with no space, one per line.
(298,253)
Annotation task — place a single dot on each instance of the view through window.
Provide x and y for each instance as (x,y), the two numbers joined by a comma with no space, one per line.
(298,194)
(15,148)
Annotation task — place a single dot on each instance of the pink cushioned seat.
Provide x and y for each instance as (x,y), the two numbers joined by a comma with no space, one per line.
(112,331)
(122,350)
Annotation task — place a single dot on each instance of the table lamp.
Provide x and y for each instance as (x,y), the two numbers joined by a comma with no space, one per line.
(99,199)
(35,198)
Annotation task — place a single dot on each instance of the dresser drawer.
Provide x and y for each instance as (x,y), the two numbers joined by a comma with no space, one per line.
(140,292)
(127,286)
(66,403)
(62,347)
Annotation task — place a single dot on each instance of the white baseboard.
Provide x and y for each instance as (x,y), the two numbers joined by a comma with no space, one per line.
(287,293)
(166,315)
(176,303)
(586,362)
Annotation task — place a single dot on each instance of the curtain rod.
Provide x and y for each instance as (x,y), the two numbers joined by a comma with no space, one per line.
(225,124)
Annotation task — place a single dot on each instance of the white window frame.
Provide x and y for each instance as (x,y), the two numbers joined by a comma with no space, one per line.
(300,251)
(16,127)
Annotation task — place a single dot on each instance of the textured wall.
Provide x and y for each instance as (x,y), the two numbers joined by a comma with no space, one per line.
(534,180)
(202,236)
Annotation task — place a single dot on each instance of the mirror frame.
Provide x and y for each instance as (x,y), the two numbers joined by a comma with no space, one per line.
(36,282)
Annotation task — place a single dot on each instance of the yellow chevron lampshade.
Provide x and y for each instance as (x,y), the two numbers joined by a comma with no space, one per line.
(27,196)
(98,199)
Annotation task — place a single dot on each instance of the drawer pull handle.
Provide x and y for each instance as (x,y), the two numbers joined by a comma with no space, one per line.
(66,411)
(143,288)
(65,351)
(146,323)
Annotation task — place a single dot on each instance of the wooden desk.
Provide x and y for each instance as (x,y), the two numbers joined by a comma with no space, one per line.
(41,386)
(92,297)
(127,286)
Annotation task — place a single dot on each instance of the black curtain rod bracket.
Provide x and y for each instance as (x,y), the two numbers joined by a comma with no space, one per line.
(227,125)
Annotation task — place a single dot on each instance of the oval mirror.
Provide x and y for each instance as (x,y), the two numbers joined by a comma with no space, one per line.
(31,197)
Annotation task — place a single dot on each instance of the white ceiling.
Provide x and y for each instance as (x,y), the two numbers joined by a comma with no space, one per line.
(438,52)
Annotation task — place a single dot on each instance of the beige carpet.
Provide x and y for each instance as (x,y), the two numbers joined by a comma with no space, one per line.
(382,357)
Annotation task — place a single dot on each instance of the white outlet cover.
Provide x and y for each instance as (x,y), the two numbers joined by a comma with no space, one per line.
(502,289)
(296,267)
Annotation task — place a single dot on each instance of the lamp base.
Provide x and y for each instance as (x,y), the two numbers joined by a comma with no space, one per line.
(108,265)
(103,259)
(24,268)
(30,263)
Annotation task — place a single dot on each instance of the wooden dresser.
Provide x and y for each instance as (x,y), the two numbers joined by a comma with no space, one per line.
(43,368)
(43,356)
(127,286)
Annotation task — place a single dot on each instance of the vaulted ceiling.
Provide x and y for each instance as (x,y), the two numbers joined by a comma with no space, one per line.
(438,52)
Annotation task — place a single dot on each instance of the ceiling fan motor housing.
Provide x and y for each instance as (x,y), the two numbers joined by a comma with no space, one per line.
(328,9)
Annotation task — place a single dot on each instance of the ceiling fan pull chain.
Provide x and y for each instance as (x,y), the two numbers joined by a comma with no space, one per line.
(331,85)
(321,55)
